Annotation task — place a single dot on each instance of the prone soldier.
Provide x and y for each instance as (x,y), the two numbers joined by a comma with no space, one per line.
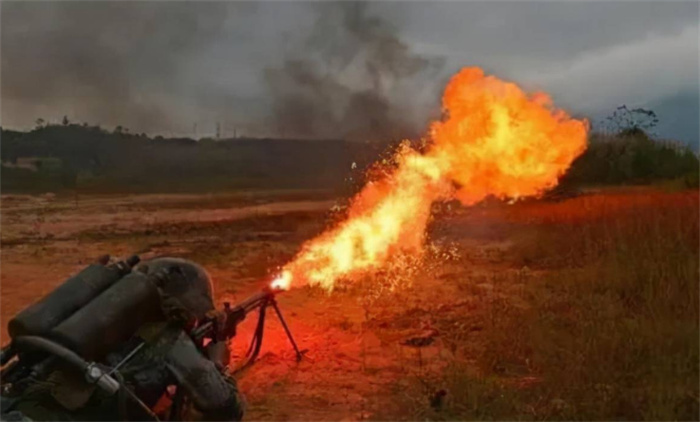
(114,344)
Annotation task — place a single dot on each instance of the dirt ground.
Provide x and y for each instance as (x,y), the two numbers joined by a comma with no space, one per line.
(366,348)
(355,362)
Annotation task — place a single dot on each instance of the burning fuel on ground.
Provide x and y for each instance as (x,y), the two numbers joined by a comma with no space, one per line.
(494,139)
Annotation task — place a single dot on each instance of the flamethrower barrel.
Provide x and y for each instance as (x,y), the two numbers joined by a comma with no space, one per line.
(237,313)
(243,308)
(254,301)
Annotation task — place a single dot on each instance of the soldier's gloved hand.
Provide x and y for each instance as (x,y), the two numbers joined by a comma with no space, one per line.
(218,352)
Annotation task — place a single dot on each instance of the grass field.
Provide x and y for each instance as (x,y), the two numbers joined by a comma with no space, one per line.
(605,325)
(582,309)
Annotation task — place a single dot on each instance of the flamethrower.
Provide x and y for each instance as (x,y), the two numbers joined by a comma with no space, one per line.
(221,325)
(69,325)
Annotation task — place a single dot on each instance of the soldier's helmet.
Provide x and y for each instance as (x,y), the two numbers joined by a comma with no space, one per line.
(188,283)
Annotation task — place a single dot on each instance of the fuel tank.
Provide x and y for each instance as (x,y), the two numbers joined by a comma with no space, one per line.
(110,318)
(74,293)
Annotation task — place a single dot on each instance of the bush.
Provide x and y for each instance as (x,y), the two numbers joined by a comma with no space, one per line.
(631,158)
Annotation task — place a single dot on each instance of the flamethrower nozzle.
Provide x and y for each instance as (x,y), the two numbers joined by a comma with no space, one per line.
(282,282)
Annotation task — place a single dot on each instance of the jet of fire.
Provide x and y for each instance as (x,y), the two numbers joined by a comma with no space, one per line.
(494,140)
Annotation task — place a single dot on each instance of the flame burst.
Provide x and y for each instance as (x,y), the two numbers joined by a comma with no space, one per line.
(494,140)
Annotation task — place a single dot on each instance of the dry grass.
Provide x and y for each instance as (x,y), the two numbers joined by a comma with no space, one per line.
(604,328)
(580,309)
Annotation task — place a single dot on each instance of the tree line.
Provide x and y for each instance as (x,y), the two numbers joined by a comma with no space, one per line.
(72,156)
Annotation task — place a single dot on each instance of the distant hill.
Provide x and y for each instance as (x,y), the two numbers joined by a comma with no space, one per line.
(60,157)
(73,157)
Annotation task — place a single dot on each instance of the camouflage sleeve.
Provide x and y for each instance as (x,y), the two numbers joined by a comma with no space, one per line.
(213,394)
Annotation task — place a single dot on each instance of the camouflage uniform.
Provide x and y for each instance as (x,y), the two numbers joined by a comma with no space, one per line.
(168,357)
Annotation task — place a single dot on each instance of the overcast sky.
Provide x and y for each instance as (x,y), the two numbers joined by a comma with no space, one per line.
(178,68)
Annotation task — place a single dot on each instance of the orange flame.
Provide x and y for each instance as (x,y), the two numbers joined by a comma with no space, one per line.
(495,140)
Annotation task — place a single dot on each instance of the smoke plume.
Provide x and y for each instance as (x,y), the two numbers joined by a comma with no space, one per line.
(141,65)
(347,78)
(114,63)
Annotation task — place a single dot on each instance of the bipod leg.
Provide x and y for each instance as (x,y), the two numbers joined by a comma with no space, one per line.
(256,341)
(273,302)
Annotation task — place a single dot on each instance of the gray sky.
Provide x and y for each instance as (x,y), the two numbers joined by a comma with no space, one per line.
(288,68)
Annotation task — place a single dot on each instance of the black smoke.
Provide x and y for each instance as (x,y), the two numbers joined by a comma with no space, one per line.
(347,78)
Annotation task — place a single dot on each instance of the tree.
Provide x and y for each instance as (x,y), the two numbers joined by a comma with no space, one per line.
(625,121)
(40,123)
(65,121)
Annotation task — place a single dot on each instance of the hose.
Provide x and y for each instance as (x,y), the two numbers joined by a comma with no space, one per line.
(70,357)
(55,349)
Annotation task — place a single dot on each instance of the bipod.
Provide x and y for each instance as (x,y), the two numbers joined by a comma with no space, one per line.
(272,301)
(256,342)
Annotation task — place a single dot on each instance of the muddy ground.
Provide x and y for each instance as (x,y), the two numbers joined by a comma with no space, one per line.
(370,352)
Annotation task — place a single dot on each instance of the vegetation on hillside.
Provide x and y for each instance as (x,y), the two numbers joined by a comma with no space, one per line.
(633,158)
(73,157)
(624,151)
(92,159)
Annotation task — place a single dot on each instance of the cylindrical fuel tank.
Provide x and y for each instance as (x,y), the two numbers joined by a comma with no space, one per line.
(110,318)
(39,318)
